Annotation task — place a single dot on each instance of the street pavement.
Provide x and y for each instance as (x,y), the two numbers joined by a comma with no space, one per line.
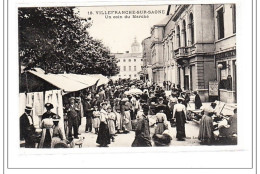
(125,140)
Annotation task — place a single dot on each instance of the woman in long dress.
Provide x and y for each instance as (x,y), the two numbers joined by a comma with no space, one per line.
(127,116)
(206,135)
(160,120)
(47,127)
(111,123)
(119,120)
(179,113)
(103,134)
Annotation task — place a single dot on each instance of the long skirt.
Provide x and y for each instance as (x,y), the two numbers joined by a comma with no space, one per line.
(160,128)
(141,141)
(206,128)
(128,125)
(119,121)
(180,125)
(103,135)
(111,127)
(96,122)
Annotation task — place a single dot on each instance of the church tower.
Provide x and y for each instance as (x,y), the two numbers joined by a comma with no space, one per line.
(135,46)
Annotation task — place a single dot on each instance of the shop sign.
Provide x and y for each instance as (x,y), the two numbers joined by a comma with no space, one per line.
(226,54)
(213,88)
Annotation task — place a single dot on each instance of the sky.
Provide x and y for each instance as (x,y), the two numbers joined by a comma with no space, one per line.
(118,34)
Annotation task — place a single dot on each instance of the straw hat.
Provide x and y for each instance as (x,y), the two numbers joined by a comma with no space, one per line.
(28,107)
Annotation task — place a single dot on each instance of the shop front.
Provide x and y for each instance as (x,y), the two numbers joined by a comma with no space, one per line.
(226,76)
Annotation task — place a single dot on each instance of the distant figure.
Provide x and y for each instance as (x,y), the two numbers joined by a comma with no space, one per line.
(198,103)
(142,132)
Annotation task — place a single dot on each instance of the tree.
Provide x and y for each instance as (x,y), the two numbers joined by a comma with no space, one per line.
(56,39)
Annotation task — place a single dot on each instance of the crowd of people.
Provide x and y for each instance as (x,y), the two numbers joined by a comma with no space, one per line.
(113,109)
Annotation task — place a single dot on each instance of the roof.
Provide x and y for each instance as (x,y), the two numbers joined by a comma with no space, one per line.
(164,21)
(70,82)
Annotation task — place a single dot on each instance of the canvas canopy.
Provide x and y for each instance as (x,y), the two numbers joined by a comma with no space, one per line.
(70,82)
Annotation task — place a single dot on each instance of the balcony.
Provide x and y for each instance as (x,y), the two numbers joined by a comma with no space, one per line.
(183,52)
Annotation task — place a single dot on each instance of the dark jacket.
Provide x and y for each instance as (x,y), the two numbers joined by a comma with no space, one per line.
(87,109)
(198,103)
(142,133)
(72,111)
(26,130)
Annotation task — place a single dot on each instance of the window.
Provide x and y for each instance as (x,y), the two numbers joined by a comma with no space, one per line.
(192,28)
(130,76)
(129,68)
(124,60)
(124,68)
(234,17)
(184,34)
(134,60)
(119,76)
(118,60)
(141,59)
(129,60)
(135,75)
(178,37)
(220,22)
(134,68)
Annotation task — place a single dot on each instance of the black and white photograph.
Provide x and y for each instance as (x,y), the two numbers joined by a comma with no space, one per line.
(129,85)
(168,82)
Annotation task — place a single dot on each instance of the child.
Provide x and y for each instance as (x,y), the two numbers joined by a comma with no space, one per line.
(119,120)
(111,122)
(96,119)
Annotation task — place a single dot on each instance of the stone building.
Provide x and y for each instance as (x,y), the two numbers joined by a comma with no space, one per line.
(147,64)
(225,51)
(130,63)
(186,48)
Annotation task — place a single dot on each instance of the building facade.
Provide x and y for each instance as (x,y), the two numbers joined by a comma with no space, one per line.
(190,43)
(147,64)
(130,64)
(225,51)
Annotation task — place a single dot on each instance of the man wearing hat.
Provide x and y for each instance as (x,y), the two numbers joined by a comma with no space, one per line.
(88,113)
(27,129)
(72,113)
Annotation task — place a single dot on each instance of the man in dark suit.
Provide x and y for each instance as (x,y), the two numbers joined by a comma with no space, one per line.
(72,113)
(88,113)
(27,129)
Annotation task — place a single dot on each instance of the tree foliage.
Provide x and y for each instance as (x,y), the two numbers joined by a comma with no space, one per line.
(57,40)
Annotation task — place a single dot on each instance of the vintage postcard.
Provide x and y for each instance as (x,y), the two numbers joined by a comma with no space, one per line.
(158,79)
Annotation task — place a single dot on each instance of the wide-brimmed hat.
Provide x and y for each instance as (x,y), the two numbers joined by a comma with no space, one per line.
(28,107)
(48,106)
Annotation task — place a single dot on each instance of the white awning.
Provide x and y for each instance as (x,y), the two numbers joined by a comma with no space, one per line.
(70,82)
